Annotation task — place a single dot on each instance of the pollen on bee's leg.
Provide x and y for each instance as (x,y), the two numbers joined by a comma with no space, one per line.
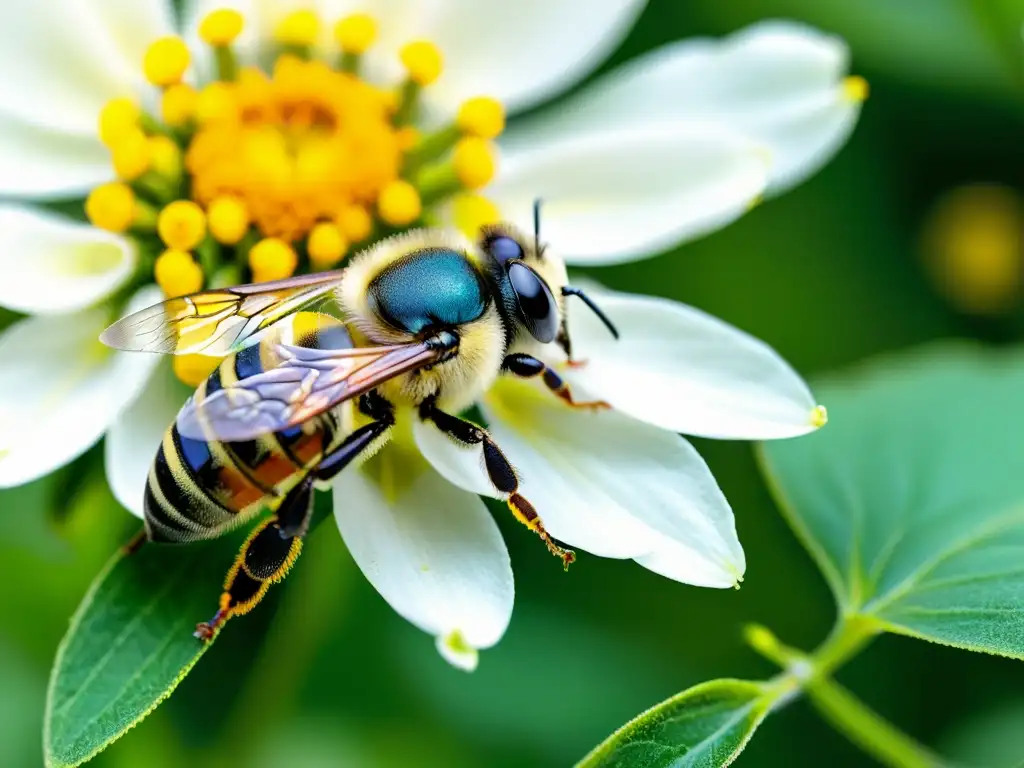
(527,515)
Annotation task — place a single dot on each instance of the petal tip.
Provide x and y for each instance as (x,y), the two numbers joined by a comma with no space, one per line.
(819,416)
(457,652)
(855,89)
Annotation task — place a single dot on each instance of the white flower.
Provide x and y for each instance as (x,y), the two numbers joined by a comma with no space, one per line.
(666,148)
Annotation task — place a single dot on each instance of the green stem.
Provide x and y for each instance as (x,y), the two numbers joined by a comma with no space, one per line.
(865,728)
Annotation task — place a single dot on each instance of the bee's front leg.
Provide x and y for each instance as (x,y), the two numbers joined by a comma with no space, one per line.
(528,366)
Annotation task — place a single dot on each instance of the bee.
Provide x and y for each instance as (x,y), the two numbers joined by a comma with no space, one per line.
(428,320)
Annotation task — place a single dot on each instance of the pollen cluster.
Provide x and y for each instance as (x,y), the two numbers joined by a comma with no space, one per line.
(262,172)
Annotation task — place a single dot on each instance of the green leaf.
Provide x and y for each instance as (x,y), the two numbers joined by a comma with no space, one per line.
(704,726)
(130,643)
(911,500)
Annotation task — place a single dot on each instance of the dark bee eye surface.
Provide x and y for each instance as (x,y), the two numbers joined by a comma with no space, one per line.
(503,249)
(536,303)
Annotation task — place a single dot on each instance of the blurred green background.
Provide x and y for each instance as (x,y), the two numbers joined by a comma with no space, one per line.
(915,232)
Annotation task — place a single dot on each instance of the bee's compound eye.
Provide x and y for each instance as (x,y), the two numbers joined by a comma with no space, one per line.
(503,249)
(536,303)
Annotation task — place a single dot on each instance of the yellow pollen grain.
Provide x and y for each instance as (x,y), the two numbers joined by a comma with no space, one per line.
(165,61)
(855,88)
(194,369)
(177,273)
(819,416)
(356,33)
(474,163)
(299,28)
(482,117)
(422,60)
(399,203)
(326,245)
(272,259)
(181,225)
(473,212)
(165,156)
(178,104)
(111,206)
(131,155)
(228,219)
(221,27)
(355,223)
(118,117)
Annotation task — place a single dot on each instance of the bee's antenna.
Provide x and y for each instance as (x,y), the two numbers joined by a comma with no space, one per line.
(536,225)
(568,290)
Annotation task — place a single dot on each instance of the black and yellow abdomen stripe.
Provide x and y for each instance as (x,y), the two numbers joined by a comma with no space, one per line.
(199,489)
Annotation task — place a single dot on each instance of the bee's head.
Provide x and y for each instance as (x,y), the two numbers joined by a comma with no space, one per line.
(531,279)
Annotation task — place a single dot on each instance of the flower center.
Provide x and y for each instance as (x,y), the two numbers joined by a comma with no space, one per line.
(258,173)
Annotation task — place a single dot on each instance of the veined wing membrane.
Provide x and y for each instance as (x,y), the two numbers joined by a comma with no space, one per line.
(306,383)
(217,322)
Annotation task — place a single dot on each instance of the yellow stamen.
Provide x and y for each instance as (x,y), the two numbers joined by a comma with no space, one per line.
(221,27)
(111,206)
(272,259)
(131,155)
(165,61)
(819,416)
(194,369)
(474,162)
(423,61)
(355,223)
(228,219)
(356,33)
(215,102)
(118,117)
(165,157)
(473,212)
(326,246)
(482,117)
(855,88)
(178,104)
(298,28)
(181,225)
(177,273)
(399,203)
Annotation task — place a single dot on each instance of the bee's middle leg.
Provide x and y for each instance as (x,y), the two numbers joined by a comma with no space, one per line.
(528,366)
(499,469)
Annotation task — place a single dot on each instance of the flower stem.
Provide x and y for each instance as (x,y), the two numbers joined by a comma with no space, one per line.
(812,672)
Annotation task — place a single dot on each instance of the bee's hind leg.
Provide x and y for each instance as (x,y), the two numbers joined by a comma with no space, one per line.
(500,471)
(528,366)
(264,559)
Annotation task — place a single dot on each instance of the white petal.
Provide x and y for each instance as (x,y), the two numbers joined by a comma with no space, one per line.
(133,439)
(683,370)
(44,163)
(52,264)
(617,195)
(521,52)
(681,562)
(71,57)
(430,549)
(60,389)
(614,486)
(780,83)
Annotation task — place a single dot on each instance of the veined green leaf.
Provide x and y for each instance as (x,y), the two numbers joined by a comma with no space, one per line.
(911,500)
(130,643)
(703,727)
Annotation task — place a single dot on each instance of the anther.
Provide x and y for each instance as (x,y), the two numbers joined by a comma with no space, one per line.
(181,225)
(272,259)
(355,223)
(221,27)
(482,117)
(215,102)
(228,219)
(165,61)
(326,246)
(471,213)
(474,162)
(355,34)
(131,154)
(399,203)
(111,206)
(422,61)
(298,30)
(177,273)
(178,104)
(118,117)
(165,157)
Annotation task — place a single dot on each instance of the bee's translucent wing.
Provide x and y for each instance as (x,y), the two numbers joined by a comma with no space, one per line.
(305,383)
(217,322)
